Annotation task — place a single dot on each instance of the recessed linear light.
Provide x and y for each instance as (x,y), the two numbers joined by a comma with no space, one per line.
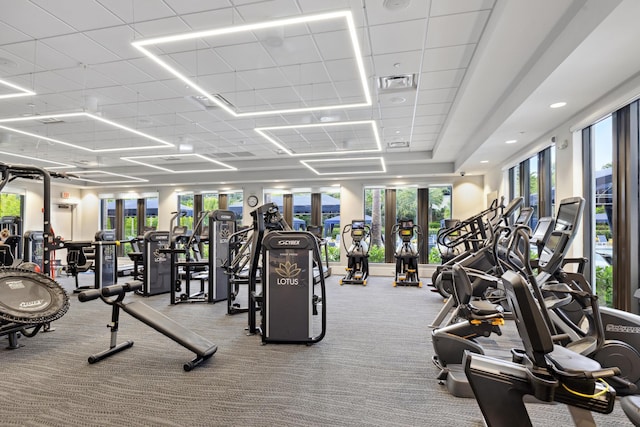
(140,45)
(374,128)
(78,174)
(57,165)
(511,141)
(558,105)
(163,144)
(136,159)
(484,161)
(23,91)
(383,168)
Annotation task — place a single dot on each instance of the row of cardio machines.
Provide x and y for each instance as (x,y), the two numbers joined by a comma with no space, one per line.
(575,352)
(406,255)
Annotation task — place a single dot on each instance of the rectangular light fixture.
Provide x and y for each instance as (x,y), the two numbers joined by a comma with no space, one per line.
(336,166)
(109,177)
(176,157)
(42,119)
(21,91)
(270,134)
(142,45)
(47,164)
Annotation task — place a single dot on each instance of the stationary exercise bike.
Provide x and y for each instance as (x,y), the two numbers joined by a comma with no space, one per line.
(357,253)
(406,255)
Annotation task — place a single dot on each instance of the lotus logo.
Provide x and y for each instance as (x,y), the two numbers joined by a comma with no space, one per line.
(224,234)
(288,273)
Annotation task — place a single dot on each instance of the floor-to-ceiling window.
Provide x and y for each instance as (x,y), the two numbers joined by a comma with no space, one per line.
(602,196)
(439,210)
(374,216)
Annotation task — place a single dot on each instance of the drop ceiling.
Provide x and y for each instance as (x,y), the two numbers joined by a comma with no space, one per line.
(138,92)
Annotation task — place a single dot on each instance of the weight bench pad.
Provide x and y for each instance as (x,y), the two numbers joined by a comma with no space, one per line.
(168,327)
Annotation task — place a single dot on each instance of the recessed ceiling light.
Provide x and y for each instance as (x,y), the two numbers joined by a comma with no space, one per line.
(269,135)
(558,105)
(350,161)
(398,100)
(104,177)
(57,118)
(511,141)
(142,45)
(163,159)
(22,91)
(484,161)
(49,164)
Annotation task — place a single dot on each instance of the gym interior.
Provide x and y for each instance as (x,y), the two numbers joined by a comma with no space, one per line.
(345,212)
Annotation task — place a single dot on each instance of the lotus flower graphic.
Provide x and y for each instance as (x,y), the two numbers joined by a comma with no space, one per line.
(225,233)
(288,269)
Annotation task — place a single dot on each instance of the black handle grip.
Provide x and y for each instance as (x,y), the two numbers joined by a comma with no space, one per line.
(132,286)
(112,290)
(92,294)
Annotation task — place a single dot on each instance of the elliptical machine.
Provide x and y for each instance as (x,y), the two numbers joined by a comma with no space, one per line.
(406,255)
(357,253)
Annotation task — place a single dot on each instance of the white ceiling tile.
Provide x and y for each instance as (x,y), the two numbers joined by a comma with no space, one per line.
(391,38)
(32,19)
(45,58)
(161,27)
(117,40)
(11,34)
(81,48)
(248,58)
(212,19)
(448,58)
(449,7)
(436,96)
(334,45)
(378,14)
(450,30)
(56,82)
(153,90)
(124,73)
(408,63)
(267,10)
(441,79)
(192,6)
(80,14)
(432,109)
(135,11)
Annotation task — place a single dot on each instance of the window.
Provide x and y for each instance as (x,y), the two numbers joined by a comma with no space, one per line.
(439,210)
(151,213)
(185,205)
(330,198)
(11,204)
(602,196)
(374,203)
(301,210)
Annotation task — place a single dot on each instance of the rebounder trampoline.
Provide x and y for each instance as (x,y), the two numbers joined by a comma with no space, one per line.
(29,302)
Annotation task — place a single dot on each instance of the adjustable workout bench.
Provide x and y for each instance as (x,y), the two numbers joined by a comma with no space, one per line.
(202,347)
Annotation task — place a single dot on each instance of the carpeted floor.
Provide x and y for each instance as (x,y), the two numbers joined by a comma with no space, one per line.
(373,368)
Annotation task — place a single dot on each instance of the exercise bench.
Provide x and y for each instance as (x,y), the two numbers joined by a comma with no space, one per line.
(114,296)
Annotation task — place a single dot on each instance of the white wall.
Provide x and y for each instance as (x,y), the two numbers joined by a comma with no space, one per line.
(468,197)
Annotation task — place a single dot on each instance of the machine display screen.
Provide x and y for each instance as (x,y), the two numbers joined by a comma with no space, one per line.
(406,224)
(406,232)
(357,232)
(567,216)
(357,225)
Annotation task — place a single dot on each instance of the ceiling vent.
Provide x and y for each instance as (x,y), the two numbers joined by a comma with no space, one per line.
(50,121)
(397,82)
(398,144)
(206,103)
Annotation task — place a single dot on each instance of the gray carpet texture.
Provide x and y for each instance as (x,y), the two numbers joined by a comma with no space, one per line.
(373,368)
